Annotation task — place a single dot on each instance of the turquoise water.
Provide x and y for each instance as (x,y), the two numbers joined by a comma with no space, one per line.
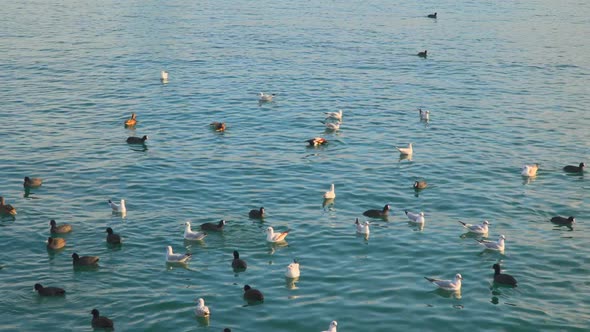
(506,84)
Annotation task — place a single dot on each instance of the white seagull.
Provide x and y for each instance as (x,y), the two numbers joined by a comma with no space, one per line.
(119,208)
(450,285)
(477,229)
(493,245)
(176,258)
(190,235)
(332,328)
(529,170)
(407,150)
(292,270)
(278,237)
(331,194)
(362,228)
(202,310)
(417,218)
(334,115)
(164,76)
(424,115)
(333,126)
(265,97)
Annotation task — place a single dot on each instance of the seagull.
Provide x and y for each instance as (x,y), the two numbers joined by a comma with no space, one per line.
(201,310)
(176,258)
(190,235)
(331,194)
(32,182)
(278,237)
(422,54)
(432,15)
(450,285)
(529,170)
(293,270)
(493,245)
(164,76)
(477,229)
(333,126)
(362,228)
(334,115)
(317,141)
(131,121)
(417,218)
(264,97)
(502,278)
(575,169)
(424,115)
(119,208)
(407,150)
(332,327)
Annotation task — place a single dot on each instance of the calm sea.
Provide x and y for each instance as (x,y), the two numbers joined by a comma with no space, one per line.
(506,84)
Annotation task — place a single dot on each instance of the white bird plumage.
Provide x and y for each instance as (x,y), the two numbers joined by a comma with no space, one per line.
(494,245)
(331,194)
(332,327)
(164,76)
(202,310)
(477,229)
(450,285)
(409,150)
(333,126)
(362,228)
(417,218)
(171,257)
(120,208)
(271,236)
(265,97)
(334,115)
(529,170)
(190,235)
(424,115)
(292,270)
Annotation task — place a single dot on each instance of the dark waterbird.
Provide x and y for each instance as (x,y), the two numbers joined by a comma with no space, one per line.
(137,140)
(49,291)
(217,126)
(55,243)
(237,263)
(377,213)
(209,226)
(252,295)
(501,278)
(6,209)
(84,260)
(102,322)
(575,169)
(113,238)
(257,214)
(432,15)
(423,54)
(59,229)
(563,221)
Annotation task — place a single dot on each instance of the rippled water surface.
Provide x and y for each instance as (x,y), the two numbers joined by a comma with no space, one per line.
(506,83)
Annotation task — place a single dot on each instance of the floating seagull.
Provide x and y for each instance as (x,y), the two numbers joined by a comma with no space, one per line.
(84,260)
(417,218)
(420,184)
(563,221)
(493,245)
(293,270)
(265,97)
(209,226)
(424,115)
(478,229)
(190,235)
(432,15)
(131,121)
(423,54)
(55,229)
(252,295)
(6,208)
(409,150)
(118,208)
(332,327)
(317,141)
(237,263)
(101,321)
(362,228)
(334,115)
(112,238)
(218,126)
(575,169)
(502,278)
(377,213)
(176,258)
(164,76)
(450,285)
(278,237)
(331,194)
(202,310)
(137,140)
(529,170)
(49,291)
(55,243)
(32,182)
(333,126)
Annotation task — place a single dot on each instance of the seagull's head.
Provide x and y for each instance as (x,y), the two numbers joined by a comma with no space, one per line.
(333,323)
(201,302)
(502,237)
(458,276)
(485,222)
(269,230)
(421,214)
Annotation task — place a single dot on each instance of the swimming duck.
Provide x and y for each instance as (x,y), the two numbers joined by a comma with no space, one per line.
(493,245)
(218,126)
(316,141)
(333,326)
(563,221)
(252,295)
(55,243)
(409,150)
(118,208)
(273,237)
(264,97)
(575,169)
(450,285)
(334,115)
(477,229)
(84,260)
(422,54)
(377,213)
(331,194)
(293,270)
(101,322)
(190,235)
(32,182)
(137,140)
(362,228)
(237,263)
(209,226)
(502,278)
(417,218)
(6,208)
(420,184)
(131,121)
(55,229)
(112,238)
(529,170)
(171,257)
(432,15)
(257,214)
(164,76)
(202,310)
(49,291)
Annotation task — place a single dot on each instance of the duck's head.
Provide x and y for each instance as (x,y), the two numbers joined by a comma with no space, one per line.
(95,313)
(572,220)
(144,138)
(247,288)
(582,165)
(38,287)
(496,267)
(236,254)
(75,256)
(52,223)
(109,230)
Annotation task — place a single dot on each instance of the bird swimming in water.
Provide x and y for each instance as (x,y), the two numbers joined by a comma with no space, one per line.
(101,321)
(202,310)
(450,285)
(256,214)
(265,97)
(330,194)
(432,15)
(49,291)
(252,295)
(164,76)
(423,54)
(132,121)
(216,227)
(55,243)
(477,229)
(529,170)
(377,213)
(333,326)
(502,278)
(136,140)
(575,169)
(273,237)
(112,238)
(6,208)
(32,182)
(409,150)
(59,229)
(293,270)
(189,234)
(84,260)
(171,257)
(317,141)
(237,263)
(218,126)
(563,221)
(420,184)
(334,115)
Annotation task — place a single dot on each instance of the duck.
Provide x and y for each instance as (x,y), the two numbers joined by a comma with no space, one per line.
(450,285)
(273,237)
(112,238)
(164,76)
(49,291)
(136,140)
(190,235)
(59,229)
(432,15)
(55,243)
(84,260)
(101,322)
(218,126)
(529,170)
(575,169)
(331,194)
(407,151)
(32,182)
(493,245)
(477,229)
(118,208)
(257,214)
(417,218)
(132,121)
(202,310)
(501,278)
(6,208)
(332,327)
(420,185)
(317,141)
(377,213)
(334,115)
(293,270)
(237,263)
(424,115)
(563,221)
(265,97)
(423,54)
(252,295)
(362,228)
(216,227)
(171,257)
